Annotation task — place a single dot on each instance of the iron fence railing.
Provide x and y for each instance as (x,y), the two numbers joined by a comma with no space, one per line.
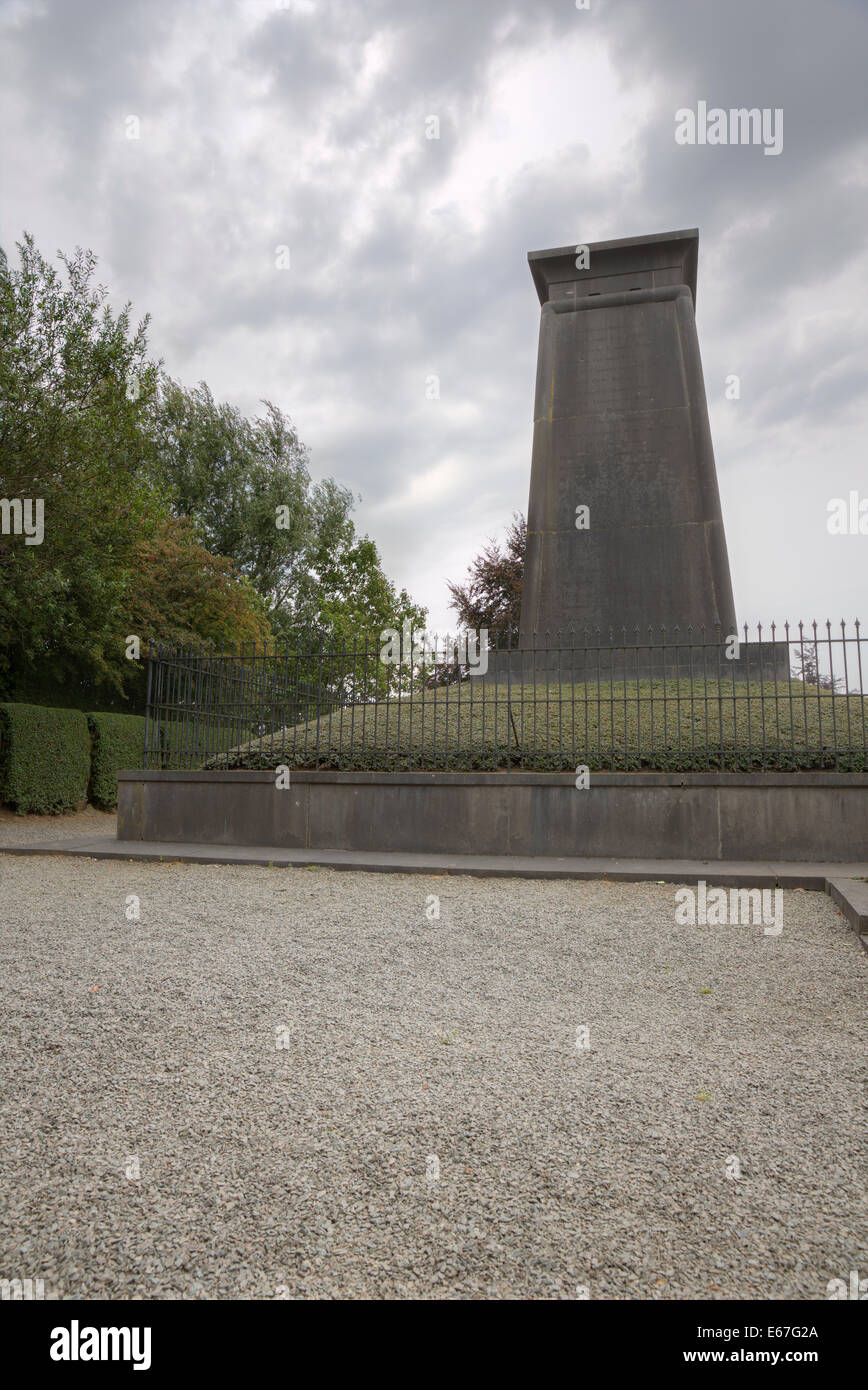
(787,697)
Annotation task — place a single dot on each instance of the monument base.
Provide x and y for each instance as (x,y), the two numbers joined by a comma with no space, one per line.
(756,662)
(816,816)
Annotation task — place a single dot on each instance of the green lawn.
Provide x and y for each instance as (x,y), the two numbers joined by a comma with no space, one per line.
(620,725)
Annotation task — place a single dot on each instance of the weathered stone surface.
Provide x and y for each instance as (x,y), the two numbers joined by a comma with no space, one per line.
(621,427)
(698,815)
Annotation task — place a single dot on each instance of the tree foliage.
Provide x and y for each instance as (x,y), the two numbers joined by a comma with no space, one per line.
(246,486)
(807,663)
(180,593)
(491,596)
(167,514)
(72,436)
(230,476)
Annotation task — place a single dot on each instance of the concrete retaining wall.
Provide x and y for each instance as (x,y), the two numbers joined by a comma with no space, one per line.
(798,816)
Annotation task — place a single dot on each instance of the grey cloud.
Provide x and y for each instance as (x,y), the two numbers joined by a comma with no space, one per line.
(273,139)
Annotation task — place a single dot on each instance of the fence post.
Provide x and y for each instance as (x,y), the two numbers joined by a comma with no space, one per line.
(146,754)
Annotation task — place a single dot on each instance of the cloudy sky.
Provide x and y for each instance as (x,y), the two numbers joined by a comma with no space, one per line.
(304,125)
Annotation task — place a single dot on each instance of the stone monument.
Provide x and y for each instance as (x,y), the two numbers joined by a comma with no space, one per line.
(621,429)
(624,526)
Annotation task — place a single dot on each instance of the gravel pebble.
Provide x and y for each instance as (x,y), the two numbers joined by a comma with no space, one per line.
(325,1094)
(23,830)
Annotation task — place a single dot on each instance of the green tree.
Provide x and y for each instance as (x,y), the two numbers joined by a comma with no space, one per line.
(76,393)
(244,483)
(491,597)
(118,455)
(182,594)
(246,486)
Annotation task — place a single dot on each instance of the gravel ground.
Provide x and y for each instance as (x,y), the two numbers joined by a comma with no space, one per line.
(23,830)
(430,1129)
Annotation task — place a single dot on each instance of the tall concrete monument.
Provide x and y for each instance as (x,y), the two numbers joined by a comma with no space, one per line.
(624,520)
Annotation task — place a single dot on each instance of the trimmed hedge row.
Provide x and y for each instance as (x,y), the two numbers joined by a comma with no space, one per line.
(44,758)
(118,744)
(50,759)
(494,757)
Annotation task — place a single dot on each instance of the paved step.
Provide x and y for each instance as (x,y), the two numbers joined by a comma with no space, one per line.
(847,884)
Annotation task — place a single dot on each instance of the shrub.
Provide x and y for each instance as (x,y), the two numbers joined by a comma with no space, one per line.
(118,744)
(44,758)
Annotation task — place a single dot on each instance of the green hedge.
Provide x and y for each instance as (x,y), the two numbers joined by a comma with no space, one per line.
(44,758)
(118,744)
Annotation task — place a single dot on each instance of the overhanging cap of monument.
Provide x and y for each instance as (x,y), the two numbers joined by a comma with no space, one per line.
(631,263)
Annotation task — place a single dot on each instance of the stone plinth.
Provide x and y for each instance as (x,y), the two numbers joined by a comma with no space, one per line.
(532,666)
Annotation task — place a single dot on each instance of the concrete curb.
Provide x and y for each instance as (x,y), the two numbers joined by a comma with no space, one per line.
(846,884)
(851,896)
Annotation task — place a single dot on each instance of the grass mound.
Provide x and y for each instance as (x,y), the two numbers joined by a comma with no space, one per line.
(676,725)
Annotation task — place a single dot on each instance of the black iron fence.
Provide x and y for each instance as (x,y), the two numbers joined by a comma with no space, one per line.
(787,697)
